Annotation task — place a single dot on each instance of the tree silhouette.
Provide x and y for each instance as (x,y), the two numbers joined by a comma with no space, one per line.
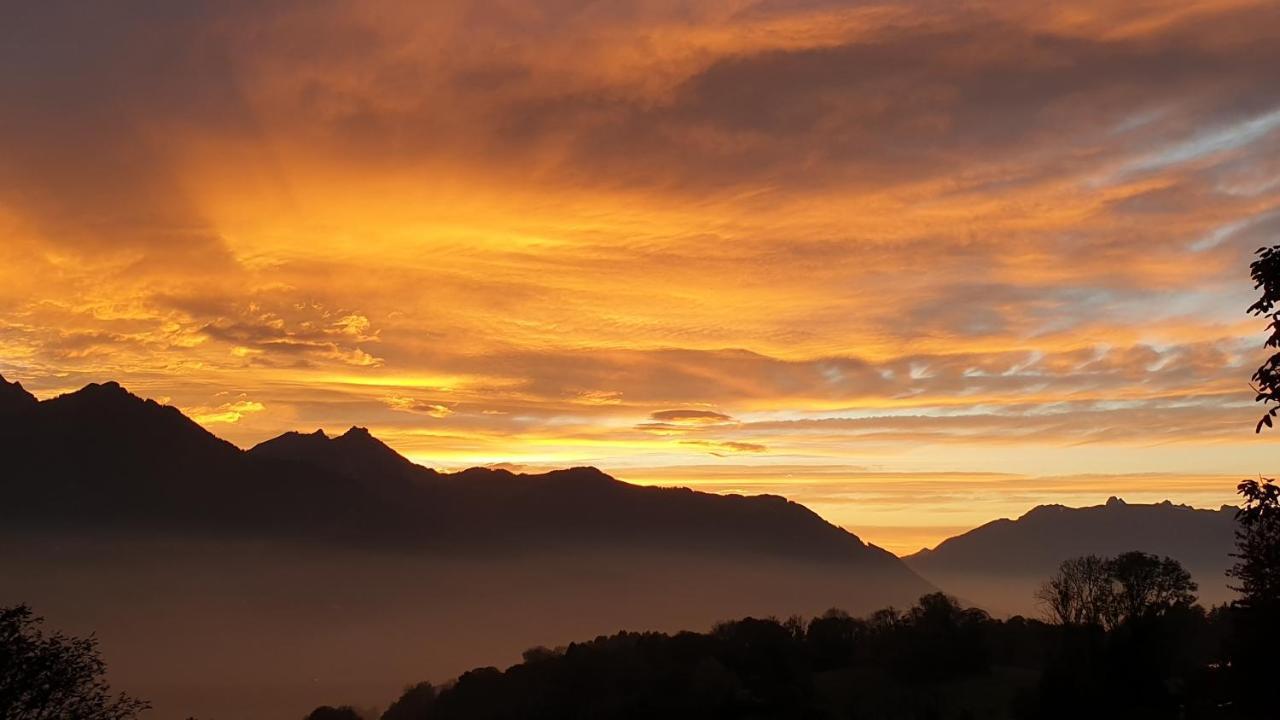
(945,639)
(414,704)
(328,712)
(1266,277)
(1258,539)
(1129,640)
(1257,570)
(1144,584)
(1079,593)
(54,677)
(1108,592)
(1257,612)
(936,660)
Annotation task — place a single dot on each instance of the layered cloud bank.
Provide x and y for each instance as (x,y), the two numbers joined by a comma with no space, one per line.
(672,239)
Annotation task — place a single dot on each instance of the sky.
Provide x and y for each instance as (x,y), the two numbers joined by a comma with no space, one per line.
(917,265)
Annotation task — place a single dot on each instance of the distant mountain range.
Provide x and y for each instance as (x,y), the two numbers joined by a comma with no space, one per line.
(311,559)
(999,565)
(104,459)
(335,560)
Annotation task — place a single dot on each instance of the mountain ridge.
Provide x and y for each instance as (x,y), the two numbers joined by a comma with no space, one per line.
(356,453)
(360,566)
(998,564)
(14,397)
(162,472)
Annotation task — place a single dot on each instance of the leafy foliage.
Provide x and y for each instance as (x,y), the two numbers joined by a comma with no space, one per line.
(1257,571)
(1256,614)
(1145,585)
(1079,593)
(1265,271)
(1109,592)
(54,677)
(936,661)
(414,704)
(327,712)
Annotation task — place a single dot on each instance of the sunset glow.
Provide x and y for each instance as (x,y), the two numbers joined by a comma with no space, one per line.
(917,265)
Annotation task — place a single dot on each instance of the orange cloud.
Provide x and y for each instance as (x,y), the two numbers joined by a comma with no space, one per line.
(723,449)
(978,238)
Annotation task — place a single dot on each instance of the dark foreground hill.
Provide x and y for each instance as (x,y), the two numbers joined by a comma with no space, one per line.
(231,583)
(934,661)
(998,565)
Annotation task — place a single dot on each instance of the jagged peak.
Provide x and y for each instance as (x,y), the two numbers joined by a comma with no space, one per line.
(476,471)
(360,437)
(1114,505)
(355,452)
(1044,510)
(582,474)
(110,387)
(585,471)
(109,393)
(294,438)
(355,436)
(118,417)
(14,396)
(111,396)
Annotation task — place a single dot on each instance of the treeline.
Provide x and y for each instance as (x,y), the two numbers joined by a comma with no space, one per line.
(1124,638)
(1158,656)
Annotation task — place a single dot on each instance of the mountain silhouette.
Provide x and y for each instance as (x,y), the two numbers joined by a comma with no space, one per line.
(999,564)
(355,453)
(102,457)
(342,562)
(14,399)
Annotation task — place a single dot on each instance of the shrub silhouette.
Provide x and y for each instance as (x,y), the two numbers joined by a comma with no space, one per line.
(414,704)
(54,676)
(1256,616)
(937,660)
(1257,571)
(326,712)
(1109,592)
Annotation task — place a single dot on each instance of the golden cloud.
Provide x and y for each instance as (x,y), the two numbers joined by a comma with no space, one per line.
(981,237)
